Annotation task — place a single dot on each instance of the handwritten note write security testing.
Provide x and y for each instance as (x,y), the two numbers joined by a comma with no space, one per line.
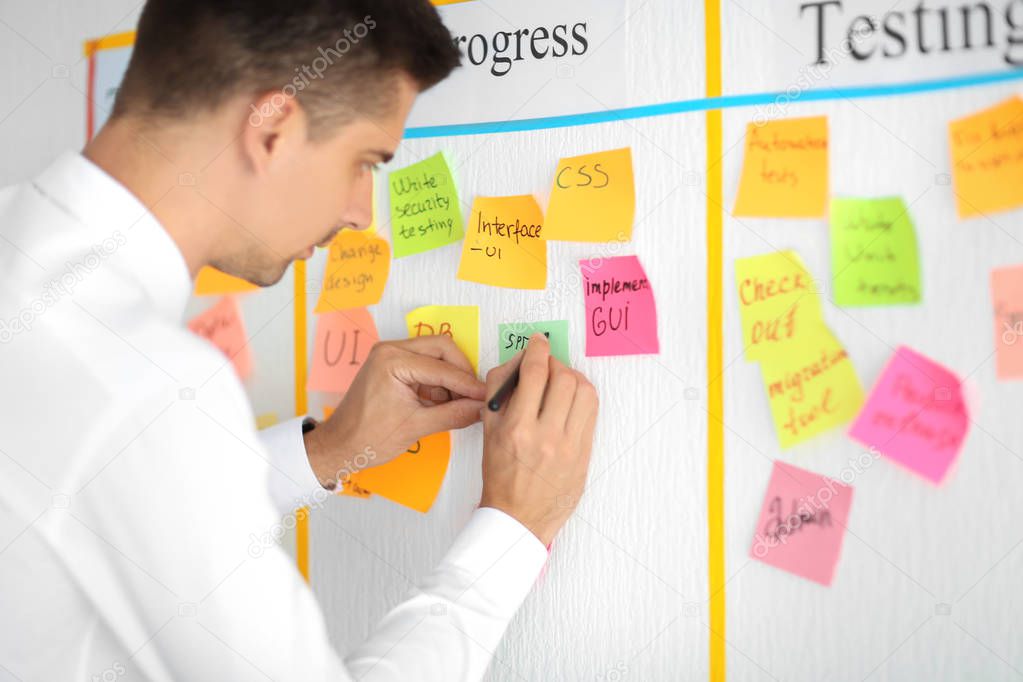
(343,341)
(621,316)
(358,263)
(460,322)
(504,243)
(223,326)
(513,337)
(593,198)
(987,159)
(425,210)
(1007,297)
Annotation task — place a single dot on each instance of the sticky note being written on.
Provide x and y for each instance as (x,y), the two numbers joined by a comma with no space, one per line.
(411,479)
(223,326)
(874,259)
(916,415)
(593,198)
(621,316)
(358,263)
(1007,297)
(213,282)
(343,341)
(514,337)
(785,170)
(460,322)
(987,159)
(425,210)
(802,523)
(504,244)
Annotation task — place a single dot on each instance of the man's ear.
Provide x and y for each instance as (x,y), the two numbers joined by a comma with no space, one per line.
(275,127)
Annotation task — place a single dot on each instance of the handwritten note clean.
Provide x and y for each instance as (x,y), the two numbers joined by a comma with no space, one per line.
(411,479)
(874,257)
(916,415)
(802,523)
(987,159)
(425,210)
(460,322)
(1007,297)
(593,198)
(223,326)
(343,341)
(514,337)
(504,244)
(785,171)
(358,263)
(621,317)
(213,282)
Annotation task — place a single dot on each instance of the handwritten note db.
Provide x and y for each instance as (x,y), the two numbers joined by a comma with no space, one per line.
(460,322)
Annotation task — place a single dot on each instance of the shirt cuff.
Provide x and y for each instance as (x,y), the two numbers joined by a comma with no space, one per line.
(292,482)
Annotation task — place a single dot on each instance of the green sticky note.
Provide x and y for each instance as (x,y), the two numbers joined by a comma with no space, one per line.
(874,258)
(425,211)
(514,336)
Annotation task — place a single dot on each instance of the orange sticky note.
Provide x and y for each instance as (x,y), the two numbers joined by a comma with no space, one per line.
(222,325)
(504,244)
(412,479)
(987,159)
(1007,297)
(460,322)
(593,198)
(343,340)
(358,263)
(213,282)
(785,171)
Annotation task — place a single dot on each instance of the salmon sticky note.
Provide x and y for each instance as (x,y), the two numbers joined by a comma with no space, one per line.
(802,523)
(343,341)
(213,282)
(504,245)
(514,337)
(1007,296)
(987,159)
(412,479)
(915,415)
(785,171)
(358,263)
(425,211)
(460,322)
(621,317)
(593,198)
(222,325)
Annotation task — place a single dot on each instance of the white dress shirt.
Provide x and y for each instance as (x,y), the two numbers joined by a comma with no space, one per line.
(136,495)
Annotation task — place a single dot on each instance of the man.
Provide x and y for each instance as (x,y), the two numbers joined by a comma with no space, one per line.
(133,481)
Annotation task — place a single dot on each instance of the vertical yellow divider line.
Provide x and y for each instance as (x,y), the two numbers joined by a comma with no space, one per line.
(301,407)
(715,385)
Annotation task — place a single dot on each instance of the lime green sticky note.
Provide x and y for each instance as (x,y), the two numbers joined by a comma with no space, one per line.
(425,211)
(874,259)
(514,336)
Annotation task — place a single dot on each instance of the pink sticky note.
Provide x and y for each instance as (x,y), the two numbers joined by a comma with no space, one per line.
(343,340)
(222,325)
(802,523)
(621,318)
(1007,297)
(915,415)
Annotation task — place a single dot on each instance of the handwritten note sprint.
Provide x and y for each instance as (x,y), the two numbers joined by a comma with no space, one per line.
(593,198)
(358,263)
(987,159)
(785,172)
(514,337)
(222,325)
(873,252)
(343,340)
(460,322)
(411,479)
(213,282)
(425,211)
(802,523)
(915,415)
(1007,297)
(621,317)
(504,244)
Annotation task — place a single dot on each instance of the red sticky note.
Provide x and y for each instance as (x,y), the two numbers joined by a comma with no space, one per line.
(343,340)
(1007,297)
(915,415)
(802,523)
(621,317)
(222,325)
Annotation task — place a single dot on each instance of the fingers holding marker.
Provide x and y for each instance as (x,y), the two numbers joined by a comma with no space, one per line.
(533,374)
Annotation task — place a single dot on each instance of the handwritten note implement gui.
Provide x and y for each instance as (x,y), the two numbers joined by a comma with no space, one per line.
(223,326)
(621,317)
(1007,296)
(343,341)
(593,198)
(514,337)
(425,209)
(987,159)
(358,263)
(504,244)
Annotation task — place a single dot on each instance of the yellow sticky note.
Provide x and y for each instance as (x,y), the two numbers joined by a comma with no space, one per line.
(987,159)
(785,170)
(504,244)
(412,479)
(358,263)
(213,282)
(460,322)
(593,198)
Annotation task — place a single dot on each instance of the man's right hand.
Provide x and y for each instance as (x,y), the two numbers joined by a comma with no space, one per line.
(536,449)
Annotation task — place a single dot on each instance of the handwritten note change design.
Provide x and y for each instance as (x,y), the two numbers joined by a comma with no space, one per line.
(514,337)
(504,244)
(343,341)
(1007,296)
(593,198)
(358,263)
(987,159)
(223,326)
(621,317)
(425,210)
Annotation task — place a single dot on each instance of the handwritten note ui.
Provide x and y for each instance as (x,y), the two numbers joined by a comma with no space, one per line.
(987,159)
(213,282)
(223,326)
(593,198)
(425,210)
(1007,297)
(785,170)
(504,243)
(358,263)
(343,341)
(621,317)
(460,322)
(514,337)
(873,252)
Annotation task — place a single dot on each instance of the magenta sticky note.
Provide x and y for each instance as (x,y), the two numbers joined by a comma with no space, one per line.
(916,415)
(802,523)
(621,318)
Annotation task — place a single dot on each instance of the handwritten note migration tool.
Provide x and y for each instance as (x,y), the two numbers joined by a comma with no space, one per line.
(358,263)
(915,415)
(343,341)
(621,317)
(802,523)
(514,336)
(785,171)
(504,244)
(413,478)
(213,282)
(593,198)
(460,322)
(425,211)
(222,325)
(874,257)
(1007,297)
(987,159)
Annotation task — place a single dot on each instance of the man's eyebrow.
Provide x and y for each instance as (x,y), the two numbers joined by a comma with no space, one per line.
(385,156)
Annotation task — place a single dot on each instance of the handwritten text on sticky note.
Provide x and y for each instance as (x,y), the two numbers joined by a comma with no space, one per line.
(987,159)
(460,322)
(425,210)
(513,337)
(621,317)
(343,341)
(1007,297)
(504,243)
(593,198)
(223,326)
(358,263)
(411,479)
